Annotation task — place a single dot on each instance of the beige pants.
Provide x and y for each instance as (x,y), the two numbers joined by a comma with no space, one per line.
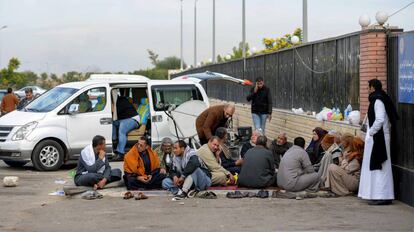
(218,178)
(340,181)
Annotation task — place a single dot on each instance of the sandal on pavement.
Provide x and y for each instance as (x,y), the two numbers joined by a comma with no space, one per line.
(128,195)
(207,195)
(262,194)
(234,195)
(141,196)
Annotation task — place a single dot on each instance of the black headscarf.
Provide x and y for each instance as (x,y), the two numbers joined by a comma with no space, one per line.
(379,151)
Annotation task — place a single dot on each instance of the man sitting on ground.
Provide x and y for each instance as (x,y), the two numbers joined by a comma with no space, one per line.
(93,166)
(225,158)
(211,119)
(142,167)
(258,170)
(296,172)
(208,153)
(164,152)
(251,143)
(279,147)
(187,170)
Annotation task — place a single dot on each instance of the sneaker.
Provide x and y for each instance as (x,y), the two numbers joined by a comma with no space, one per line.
(192,193)
(180,196)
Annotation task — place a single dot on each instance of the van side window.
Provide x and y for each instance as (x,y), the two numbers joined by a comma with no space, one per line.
(174,94)
(92,100)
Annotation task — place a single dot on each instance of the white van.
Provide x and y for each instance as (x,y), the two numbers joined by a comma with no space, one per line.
(49,132)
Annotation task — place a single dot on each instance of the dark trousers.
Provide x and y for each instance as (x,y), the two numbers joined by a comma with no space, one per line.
(90,179)
(132,183)
(234,170)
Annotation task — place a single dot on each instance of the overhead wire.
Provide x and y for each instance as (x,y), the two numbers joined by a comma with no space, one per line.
(398,11)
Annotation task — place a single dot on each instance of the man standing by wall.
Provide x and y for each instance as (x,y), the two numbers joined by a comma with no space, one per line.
(376,182)
(261,104)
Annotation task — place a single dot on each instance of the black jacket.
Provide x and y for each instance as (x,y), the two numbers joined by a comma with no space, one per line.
(247,146)
(125,109)
(279,150)
(261,101)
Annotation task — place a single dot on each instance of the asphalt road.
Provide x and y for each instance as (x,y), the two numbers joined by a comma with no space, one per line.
(28,207)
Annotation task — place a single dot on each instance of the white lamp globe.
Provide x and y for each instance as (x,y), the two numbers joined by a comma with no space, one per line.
(364,20)
(253,50)
(210,60)
(294,39)
(381,17)
(228,57)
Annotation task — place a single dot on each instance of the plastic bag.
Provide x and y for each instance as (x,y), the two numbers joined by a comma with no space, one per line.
(354,117)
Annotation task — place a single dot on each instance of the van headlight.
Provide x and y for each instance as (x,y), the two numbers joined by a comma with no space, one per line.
(24,131)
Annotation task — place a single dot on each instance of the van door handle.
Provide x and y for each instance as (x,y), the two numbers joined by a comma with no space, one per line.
(105,121)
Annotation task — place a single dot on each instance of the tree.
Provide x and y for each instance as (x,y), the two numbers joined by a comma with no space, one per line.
(9,76)
(31,77)
(272,45)
(238,51)
(171,62)
(73,76)
(153,57)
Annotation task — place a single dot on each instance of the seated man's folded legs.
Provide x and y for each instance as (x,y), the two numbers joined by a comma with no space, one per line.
(201,180)
(88,179)
(132,183)
(308,182)
(168,184)
(115,175)
(218,178)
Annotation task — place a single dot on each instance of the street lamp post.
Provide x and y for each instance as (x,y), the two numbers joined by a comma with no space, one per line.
(2,28)
(244,36)
(181,38)
(195,33)
(214,32)
(305,20)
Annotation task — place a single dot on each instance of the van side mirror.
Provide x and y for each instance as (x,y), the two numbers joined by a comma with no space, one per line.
(73,109)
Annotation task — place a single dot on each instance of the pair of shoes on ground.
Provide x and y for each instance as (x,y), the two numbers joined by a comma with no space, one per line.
(293,195)
(91,195)
(237,194)
(380,202)
(138,196)
(206,195)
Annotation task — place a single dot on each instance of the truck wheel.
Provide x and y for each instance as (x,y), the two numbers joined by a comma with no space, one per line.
(47,156)
(15,164)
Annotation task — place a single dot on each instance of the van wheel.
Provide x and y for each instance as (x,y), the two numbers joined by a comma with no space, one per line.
(15,164)
(47,156)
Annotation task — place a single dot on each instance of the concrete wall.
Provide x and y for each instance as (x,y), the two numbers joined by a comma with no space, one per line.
(294,125)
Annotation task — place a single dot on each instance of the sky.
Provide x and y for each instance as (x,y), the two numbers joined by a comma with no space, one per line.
(56,36)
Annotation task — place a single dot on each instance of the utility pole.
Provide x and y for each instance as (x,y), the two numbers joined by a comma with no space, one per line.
(244,36)
(181,38)
(214,32)
(195,33)
(305,21)
(2,28)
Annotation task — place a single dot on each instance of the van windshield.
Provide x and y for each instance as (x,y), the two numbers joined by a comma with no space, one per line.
(50,100)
